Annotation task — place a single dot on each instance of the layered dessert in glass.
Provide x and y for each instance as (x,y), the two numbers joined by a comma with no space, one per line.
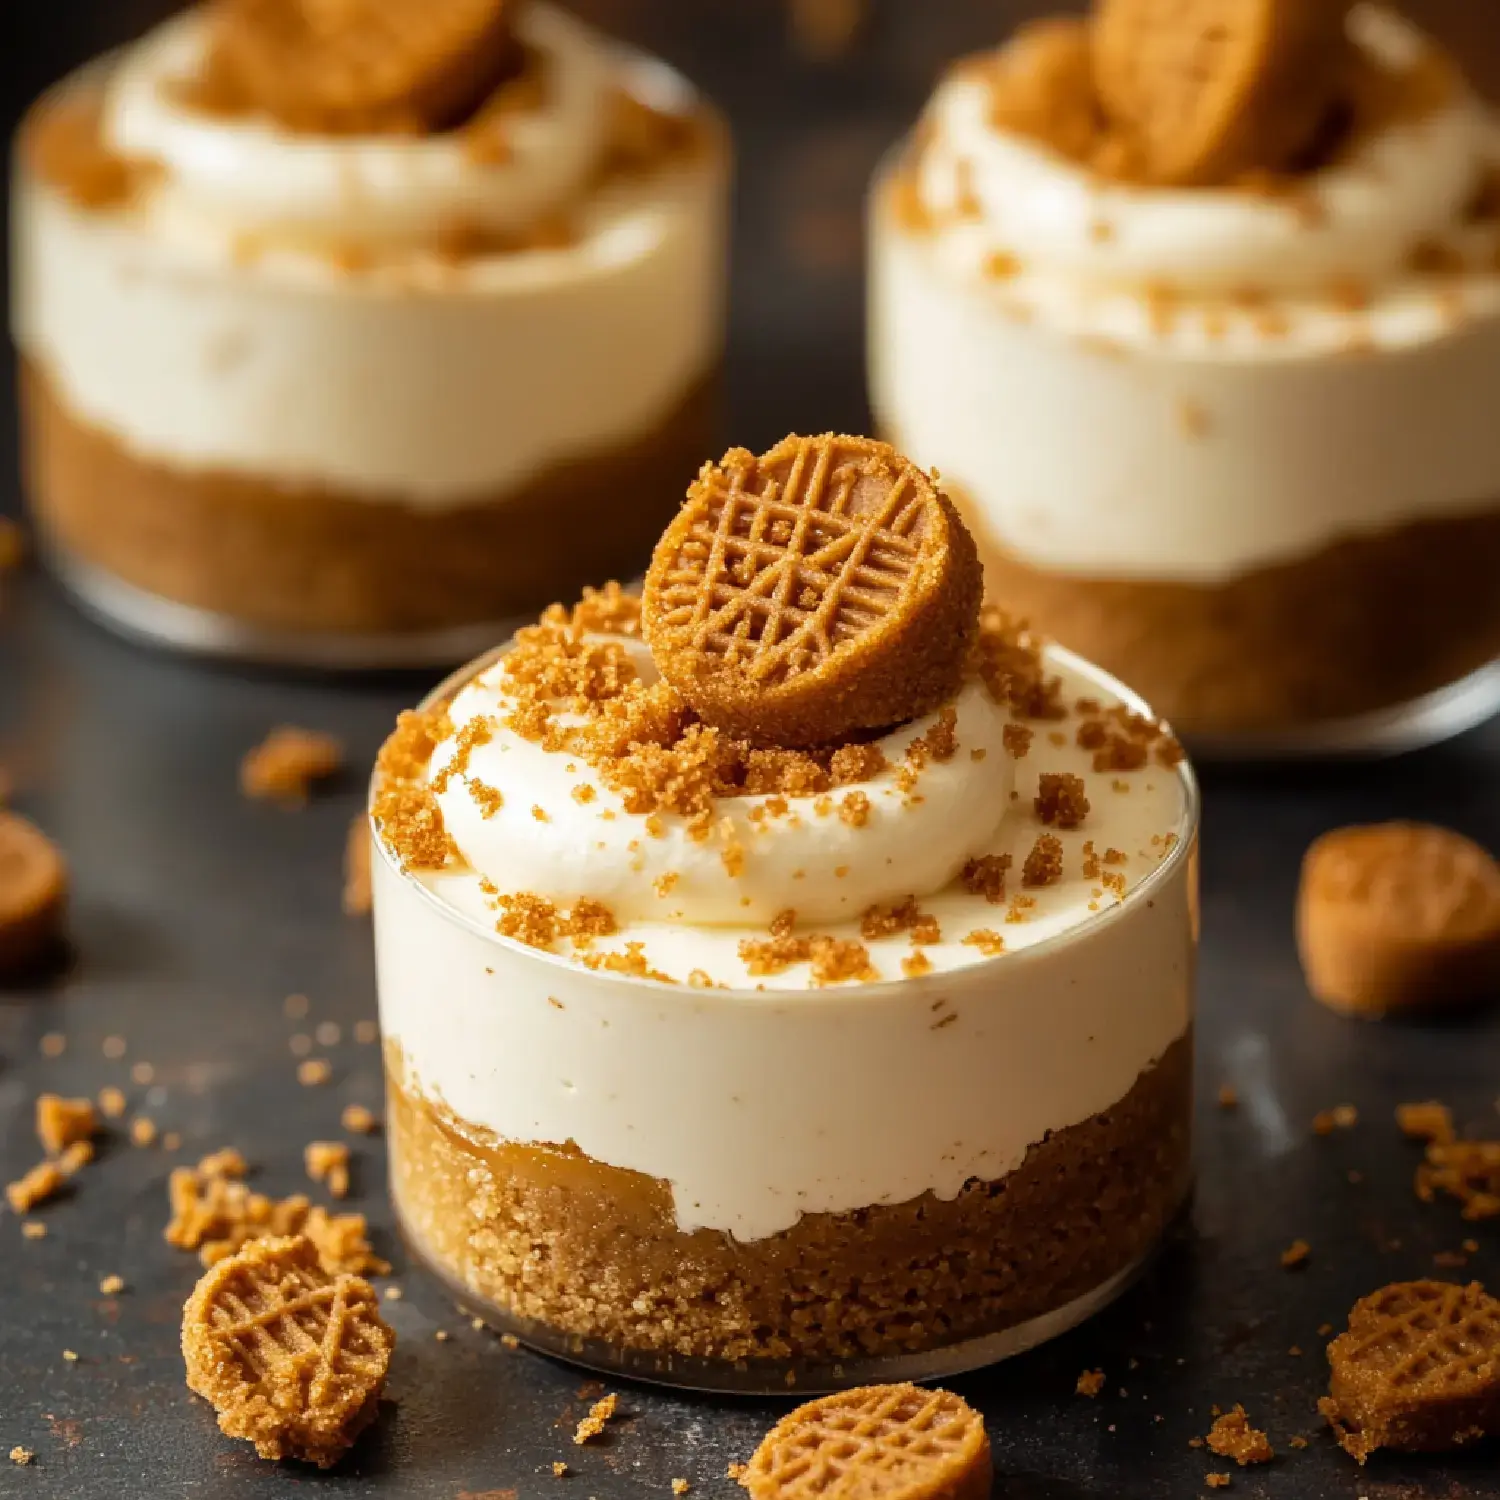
(787,976)
(1197,309)
(350,331)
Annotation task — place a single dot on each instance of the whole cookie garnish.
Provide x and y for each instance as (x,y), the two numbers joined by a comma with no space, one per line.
(822,590)
(352,66)
(879,1442)
(1418,1370)
(293,1359)
(1398,916)
(1213,88)
(33,893)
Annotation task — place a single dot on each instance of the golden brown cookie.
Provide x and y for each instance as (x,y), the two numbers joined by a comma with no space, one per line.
(33,893)
(292,1358)
(822,590)
(879,1442)
(1213,88)
(341,67)
(1042,86)
(1398,916)
(1418,1370)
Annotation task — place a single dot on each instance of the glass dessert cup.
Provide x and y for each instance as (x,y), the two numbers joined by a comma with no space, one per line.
(1234,448)
(743,1190)
(273,447)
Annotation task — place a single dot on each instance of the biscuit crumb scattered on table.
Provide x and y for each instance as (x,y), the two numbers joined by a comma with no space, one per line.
(287,763)
(599,1413)
(1232,1436)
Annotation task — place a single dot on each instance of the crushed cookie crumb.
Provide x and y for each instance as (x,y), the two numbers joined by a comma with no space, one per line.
(1090,1383)
(1228,1096)
(359,1120)
(882,921)
(1429,1121)
(988,942)
(358,895)
(1232,1436)
(1295,1255)
(599,1413)
(112,1286)
(62,1122)
(42,1182)
(559,1469)
(1044,865)
(314,1071)
(286,764)
(1467,1171)
(915,964)
(1061,800)
(33,1229)
(1340,1117)
(328,1161)
(1216,1481)
(143,1131)
(985,876)
(22,1456)
(75,1157)
(854,809)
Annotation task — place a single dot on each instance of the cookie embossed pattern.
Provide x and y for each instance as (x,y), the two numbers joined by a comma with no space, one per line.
(688,1025)
(1252,251)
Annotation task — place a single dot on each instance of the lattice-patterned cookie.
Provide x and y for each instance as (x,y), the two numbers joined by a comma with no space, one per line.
(879,1442)
(819,591)
(1213,88)
(1418,1370)
(33,893)
(292,1359)
(348,66)
(1399,916)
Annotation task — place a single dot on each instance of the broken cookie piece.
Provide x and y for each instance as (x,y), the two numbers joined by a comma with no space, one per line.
(1418,1370)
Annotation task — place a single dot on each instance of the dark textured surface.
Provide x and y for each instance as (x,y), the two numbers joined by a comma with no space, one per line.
(197,913)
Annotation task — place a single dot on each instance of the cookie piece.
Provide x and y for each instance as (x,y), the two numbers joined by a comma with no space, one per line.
(342,67)
(1041,86)
(823,590)
(1418,1370)
(879,1442)
(1398,916)
(1210,89)
(292,1358)
(33,894)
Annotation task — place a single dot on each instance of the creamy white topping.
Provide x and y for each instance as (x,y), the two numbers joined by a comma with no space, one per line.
(415,380)
(759,1107)
(805,856)
(250,176)
(1070,361)
(1357,219)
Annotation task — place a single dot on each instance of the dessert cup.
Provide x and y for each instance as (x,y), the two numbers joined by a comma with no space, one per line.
(356,400)
(744,1184)
(1232,441)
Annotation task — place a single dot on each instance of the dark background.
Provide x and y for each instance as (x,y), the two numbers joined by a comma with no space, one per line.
(196,913)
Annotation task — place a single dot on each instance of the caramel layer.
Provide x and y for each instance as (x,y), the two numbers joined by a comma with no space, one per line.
(548,1234)
(308,557)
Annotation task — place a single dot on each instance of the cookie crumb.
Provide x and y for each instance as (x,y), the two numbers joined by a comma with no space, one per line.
(1428,1121)
(359,1120)
(1216,1481)
(1232,1436)
(680,1486)
(1295,1255)
(314,1071)
(1061,800)
(142,1131)
(328,1161)
(286,764)
(62,1122)
(559,1469)
(1089,1383)
(366,1032)
(1228,1096)
(985,876)
(42,1182)
(1044,865)
(599,1413)
(22,1456)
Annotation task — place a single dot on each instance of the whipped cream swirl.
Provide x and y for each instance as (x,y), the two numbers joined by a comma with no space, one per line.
(762,855)
(1359,217)
(250,176)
